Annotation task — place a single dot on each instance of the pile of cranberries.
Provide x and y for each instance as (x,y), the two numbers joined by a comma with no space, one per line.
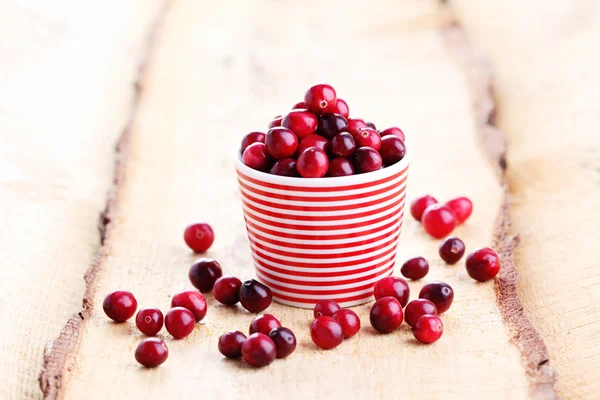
(317,138)
(332,324)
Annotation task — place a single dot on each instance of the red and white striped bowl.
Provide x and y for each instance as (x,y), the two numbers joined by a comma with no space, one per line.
(328,238)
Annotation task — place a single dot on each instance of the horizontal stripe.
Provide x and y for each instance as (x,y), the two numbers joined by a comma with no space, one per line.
(309,304)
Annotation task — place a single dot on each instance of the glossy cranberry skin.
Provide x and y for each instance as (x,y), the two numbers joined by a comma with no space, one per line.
(392,286)
(227,290)
(371,125)
(151,352)
(119,305)
(259,350)
(386,314)
(451,250)
(230,344)
(252,137)
(483,264)
(326,332)
(281,142)
(264,323)
(393,131)
(312,163)
(366,160)
(340,167)
(325,307)
(313,141)
(343,145)
(301,122)
(392,150)
(256,156)
(254,296)
(341,107)
(440,293)
(320,99)
(355,125)
(149,321)
(416,308)
(428,329)
(420,204)
(300,106)
(285,167)
(331,125)
(179,322)
(415,268)
(438,221)
(275,122)
(285,341)
(199,237)
(368,137)
(462,208)
(191,300)
(204,273)
(349,321)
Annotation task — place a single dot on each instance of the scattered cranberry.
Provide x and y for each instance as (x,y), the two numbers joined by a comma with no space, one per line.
(227,290)
(275,122)
(349,321)
(440,293)
(340,167)
(259,350)
(254,296)
(301,122)
(230,344)
(256,156)
(264,323)
(438,221)
(428,329)
(368,137)
(149,321)
(252,137)
(326,332)
(285,167)
(313,141)
(281,142)
(367,160)
(418,206)
(179,322)
(199,237)
(452,250)
(394,287)
(483,264)
(415,268)
(191,300)
(204,273)
(320,99)
(371,125)
(462,208)
(326,307)
(386,314)
(354,125)
(331,124)
(343,145)
(416,308)
(395,132)
(341,107)
(312,163)
(392,149)
(285,341)
(120,305)
(300,106)
(151,352)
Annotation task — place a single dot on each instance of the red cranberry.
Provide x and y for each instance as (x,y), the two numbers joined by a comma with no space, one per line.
(326,307)
(301,122)
(254,296)
(252,137)
(343,145)
(326,332)
(418,206)
(312,163)
(331,124)
(227,290)
(203,274)
(341,107)
(313,141)
(320,99)
(415,268)
(256,156)
(340,167)
(371,125)
(386,314)
(416,308)
(300,106)
(230,344)
(438,221)
(275,122)
(392,150)
(285,167)
(392,286)
(199,237)
(149,321)
(192,300)
(120,305)
(349,321)
(368,137)
(483,264)
(281,142)
(354,125)
(151,352)
(259,350)
(428,329)
(452,250)
(462,208)
(285,341)
(367,159)
(440,293)
(179,322)
(264,323)
(393,131)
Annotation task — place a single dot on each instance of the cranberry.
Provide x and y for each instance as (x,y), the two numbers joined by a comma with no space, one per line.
(394,132)
(392,150)
(341,107)
(254,296)
(452,250)
(256,156)
(326,307)
(392,286)
(368,137)
(203,274)
(151,352)
(331,124)
(416,308)
(285,341)
(483,264)
(179,322)
(349,321)
(230,344)
(343,145)
(354,125)
(340,167)
(428,329)
(312,163)
(301,122)
(120,305)
(281,142)
(438,221)
(264,323)
(300,106)
(418,205)
(367,159)
(320,99)
(199,237)
(149,321)
(313,141)
(227,290)
(371,125)
(275,122)
(326,332)
(386,314)
(462,208)
(192,300)
(259,350)
(285,167)
(252,137)
(415,268)
(440,293)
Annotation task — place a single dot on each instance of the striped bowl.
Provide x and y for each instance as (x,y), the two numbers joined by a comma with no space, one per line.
(328,238)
